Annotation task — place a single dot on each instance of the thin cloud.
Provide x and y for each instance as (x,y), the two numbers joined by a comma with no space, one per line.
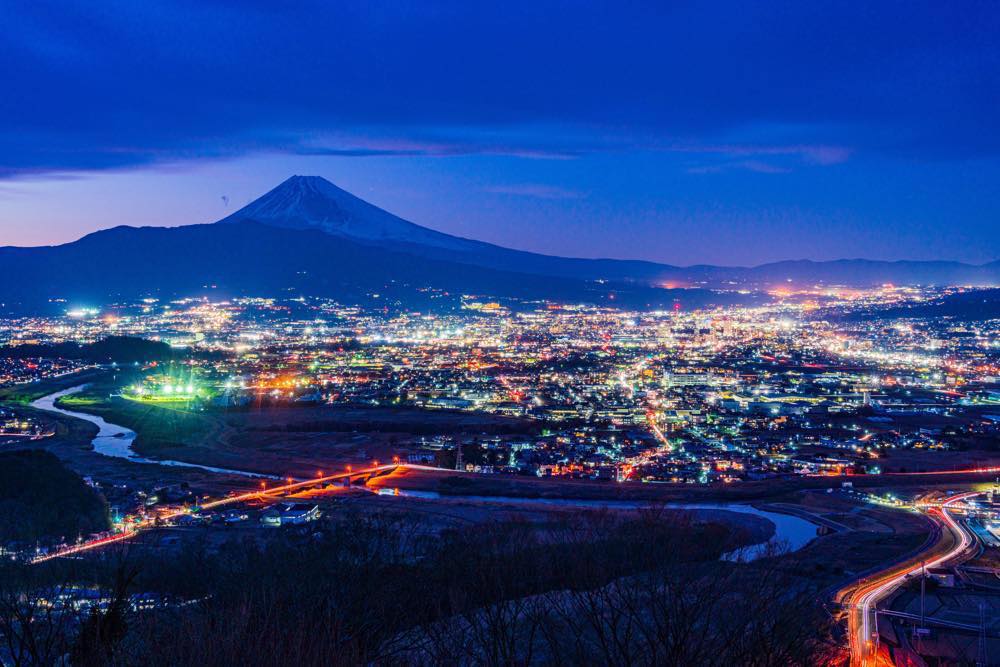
(810,154)
(535,190)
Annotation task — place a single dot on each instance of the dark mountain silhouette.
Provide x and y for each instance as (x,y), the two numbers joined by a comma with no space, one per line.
(122,349)
(308,237)
(247,258)
(863,272)
(979,304)
(312,202)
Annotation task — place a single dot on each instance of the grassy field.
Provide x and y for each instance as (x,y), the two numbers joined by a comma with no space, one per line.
(22,394)
(160,427)
(276,439)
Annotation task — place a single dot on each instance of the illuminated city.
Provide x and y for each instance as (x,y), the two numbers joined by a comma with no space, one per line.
(458,334)
(727,394)
(819,389)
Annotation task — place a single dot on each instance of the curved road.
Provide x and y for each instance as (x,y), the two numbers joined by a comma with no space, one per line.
(862,599)
(275,491)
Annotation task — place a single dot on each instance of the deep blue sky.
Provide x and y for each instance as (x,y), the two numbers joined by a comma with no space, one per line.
(732,132)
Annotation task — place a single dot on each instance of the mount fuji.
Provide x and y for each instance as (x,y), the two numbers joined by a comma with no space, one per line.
(312,202)
(304,238)
(308,237)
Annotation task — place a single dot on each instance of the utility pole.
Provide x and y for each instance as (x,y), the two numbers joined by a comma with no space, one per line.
(458,455)
(877,635)
(923,586)
(981,659)
(923,589)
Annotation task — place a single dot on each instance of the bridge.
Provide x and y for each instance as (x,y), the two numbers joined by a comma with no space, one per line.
(929,620)
(292,486)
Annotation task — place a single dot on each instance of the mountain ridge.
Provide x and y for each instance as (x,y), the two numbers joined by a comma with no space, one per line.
(248,258)
(296,239)
(312,202)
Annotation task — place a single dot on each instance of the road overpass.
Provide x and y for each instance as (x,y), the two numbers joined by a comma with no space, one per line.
(954,542)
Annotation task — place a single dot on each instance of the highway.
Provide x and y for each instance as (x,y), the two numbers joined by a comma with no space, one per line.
(862,599)
(962,471)
(263,492)
(926,473)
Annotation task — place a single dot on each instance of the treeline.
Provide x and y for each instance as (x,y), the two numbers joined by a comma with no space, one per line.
(383,589)
(970,305)
(122,349)
(40,499)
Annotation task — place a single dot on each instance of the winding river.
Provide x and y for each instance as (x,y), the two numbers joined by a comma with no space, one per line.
(116,441)
(791,532)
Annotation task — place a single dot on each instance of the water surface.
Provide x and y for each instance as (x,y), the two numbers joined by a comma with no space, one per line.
(791,532)
(116,441)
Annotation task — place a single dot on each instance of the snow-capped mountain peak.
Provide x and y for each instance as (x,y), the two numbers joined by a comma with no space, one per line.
(312,202)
